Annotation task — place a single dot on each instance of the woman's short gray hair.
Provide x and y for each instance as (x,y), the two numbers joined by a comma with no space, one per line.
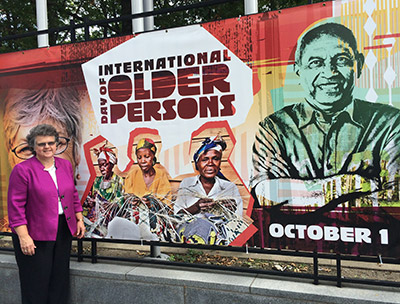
(41,130)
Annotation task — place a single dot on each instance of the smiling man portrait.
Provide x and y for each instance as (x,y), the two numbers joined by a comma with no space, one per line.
(330,134)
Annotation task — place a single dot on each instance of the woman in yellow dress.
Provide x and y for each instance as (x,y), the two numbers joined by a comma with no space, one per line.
(148,179)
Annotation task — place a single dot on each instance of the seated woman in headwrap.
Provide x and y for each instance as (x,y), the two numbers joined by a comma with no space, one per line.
(146,208)
(106,194)
(148,180)
(210,201)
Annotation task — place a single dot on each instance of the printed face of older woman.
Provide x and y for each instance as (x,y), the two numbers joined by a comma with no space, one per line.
(209,163)
(106,168)
(20,139)
(145,159)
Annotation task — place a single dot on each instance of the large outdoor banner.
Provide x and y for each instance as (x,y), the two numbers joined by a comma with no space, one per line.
(276,130)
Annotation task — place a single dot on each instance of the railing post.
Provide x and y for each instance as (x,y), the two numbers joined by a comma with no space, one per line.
(72,30)
(80,250)
(94,251)
(86,26)
(105,31)
(315,263)
(338,270)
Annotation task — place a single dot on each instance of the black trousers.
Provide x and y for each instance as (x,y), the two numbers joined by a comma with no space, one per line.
(44,277)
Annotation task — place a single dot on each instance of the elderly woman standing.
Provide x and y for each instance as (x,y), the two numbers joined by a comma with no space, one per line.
(44,212)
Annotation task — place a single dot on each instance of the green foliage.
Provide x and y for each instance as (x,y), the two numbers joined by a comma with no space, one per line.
(385,204)
(18,17)
(215,12)
(194,16)
(190,256)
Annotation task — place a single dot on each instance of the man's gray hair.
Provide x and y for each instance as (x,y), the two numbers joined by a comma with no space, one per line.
(58,105)
(333,29)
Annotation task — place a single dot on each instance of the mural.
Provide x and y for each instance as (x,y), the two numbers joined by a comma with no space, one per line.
(276,130)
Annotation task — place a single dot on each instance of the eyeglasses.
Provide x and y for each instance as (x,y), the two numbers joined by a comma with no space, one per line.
(50,144)
(23,151)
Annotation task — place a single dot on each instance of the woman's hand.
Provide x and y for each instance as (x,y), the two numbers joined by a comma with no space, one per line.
(27,245)
(80,226)
(26,242)
(202,204)
(80,229)
(205,204)
(133,201)
(146,201)
(230,204)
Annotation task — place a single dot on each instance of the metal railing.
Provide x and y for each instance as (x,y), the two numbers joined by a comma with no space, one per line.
(315,277)
(86,23)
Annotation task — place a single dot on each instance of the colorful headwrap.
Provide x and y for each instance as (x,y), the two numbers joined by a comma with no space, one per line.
(217,143)
(149,144)
(107,154)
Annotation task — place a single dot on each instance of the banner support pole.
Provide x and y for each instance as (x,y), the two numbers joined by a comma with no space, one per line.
(250,7)
(148,6)
(155,251)
(137,23)
(42,22)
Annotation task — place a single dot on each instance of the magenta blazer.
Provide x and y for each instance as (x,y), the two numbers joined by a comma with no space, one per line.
(33,198)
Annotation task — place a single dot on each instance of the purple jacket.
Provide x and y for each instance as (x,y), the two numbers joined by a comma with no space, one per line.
(33,198)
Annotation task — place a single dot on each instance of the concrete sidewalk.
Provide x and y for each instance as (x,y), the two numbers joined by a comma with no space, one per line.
(121,283)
